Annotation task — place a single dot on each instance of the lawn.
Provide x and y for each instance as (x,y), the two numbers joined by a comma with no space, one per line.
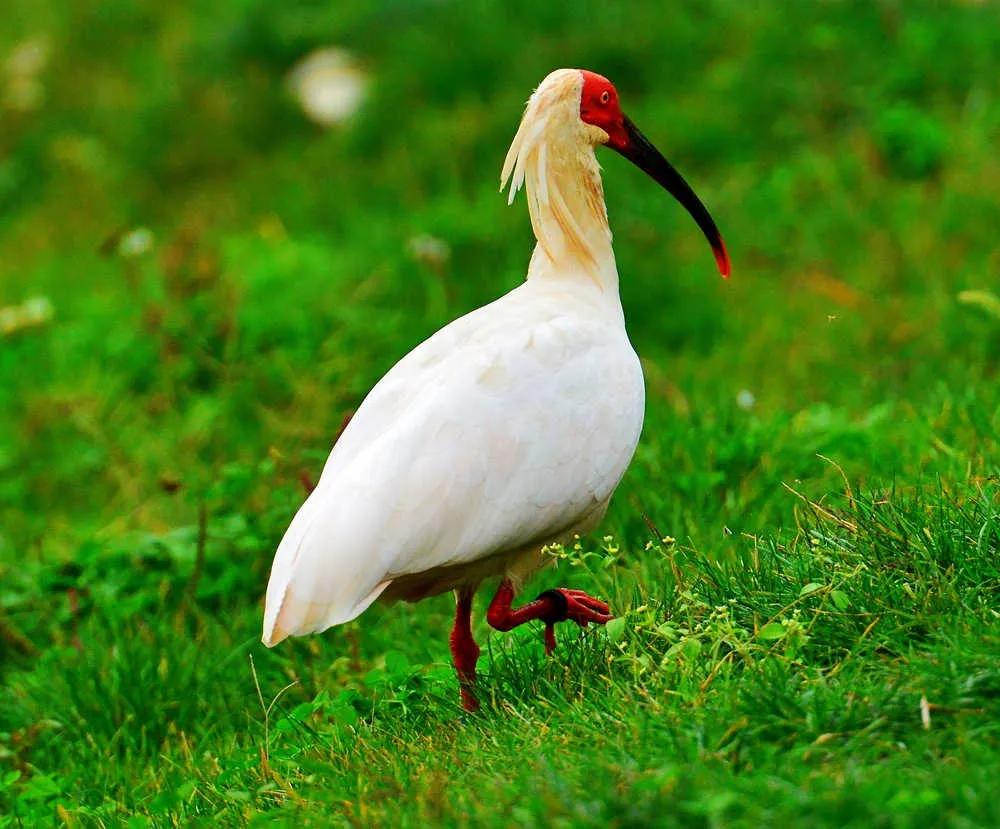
(199,284)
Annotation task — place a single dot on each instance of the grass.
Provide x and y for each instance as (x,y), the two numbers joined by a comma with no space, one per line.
(805,552)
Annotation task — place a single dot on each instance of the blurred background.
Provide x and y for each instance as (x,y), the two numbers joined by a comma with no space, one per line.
(221,222)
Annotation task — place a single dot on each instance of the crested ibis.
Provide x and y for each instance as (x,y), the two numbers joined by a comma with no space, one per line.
(505,431)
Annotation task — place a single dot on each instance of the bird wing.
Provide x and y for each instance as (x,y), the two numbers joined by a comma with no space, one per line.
(505,427)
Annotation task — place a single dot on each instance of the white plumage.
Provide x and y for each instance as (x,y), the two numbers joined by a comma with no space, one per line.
(510,425)
(505,431)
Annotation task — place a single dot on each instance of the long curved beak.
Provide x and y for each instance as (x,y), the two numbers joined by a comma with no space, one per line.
(636,148)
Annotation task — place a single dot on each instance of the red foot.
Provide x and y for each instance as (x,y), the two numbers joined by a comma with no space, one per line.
(580,608)
(552,606)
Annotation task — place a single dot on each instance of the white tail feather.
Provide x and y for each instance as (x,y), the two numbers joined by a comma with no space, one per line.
(315,582)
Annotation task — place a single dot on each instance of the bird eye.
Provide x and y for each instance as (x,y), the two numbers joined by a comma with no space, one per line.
(605,96)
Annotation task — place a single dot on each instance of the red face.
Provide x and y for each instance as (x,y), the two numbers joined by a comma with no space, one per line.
(599,106)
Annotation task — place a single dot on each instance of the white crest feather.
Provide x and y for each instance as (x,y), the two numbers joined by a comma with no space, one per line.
(552,156)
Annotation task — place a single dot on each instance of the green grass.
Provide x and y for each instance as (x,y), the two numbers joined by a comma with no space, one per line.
(808,584)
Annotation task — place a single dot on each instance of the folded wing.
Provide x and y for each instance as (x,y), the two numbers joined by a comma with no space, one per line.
(477,442)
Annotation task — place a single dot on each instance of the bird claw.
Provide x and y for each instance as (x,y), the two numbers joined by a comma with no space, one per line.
(572,605)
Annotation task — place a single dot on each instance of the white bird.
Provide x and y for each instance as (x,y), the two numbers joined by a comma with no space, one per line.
(505,431)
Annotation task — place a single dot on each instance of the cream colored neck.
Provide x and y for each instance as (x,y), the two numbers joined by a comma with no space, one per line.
(568,215)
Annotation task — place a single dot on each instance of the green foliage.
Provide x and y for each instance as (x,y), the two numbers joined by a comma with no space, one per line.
(912,143)
(804,557)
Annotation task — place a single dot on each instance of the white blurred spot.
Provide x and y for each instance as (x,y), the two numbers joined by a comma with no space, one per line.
(22,88)
(328,85)
(29,57)
(429,250)
(31,313)
(136,242)
(745,399)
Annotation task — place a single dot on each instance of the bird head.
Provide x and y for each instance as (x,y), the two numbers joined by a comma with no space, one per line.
(582,108)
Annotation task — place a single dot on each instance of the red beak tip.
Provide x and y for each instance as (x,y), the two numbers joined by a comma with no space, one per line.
(722,260)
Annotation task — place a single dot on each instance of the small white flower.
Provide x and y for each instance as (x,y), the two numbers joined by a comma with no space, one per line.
(745,399)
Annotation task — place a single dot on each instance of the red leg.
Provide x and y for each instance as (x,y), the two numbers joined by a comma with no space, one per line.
(464,650)
(550,607)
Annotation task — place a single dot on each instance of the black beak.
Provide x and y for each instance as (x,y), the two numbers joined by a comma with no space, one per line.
(637,149)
